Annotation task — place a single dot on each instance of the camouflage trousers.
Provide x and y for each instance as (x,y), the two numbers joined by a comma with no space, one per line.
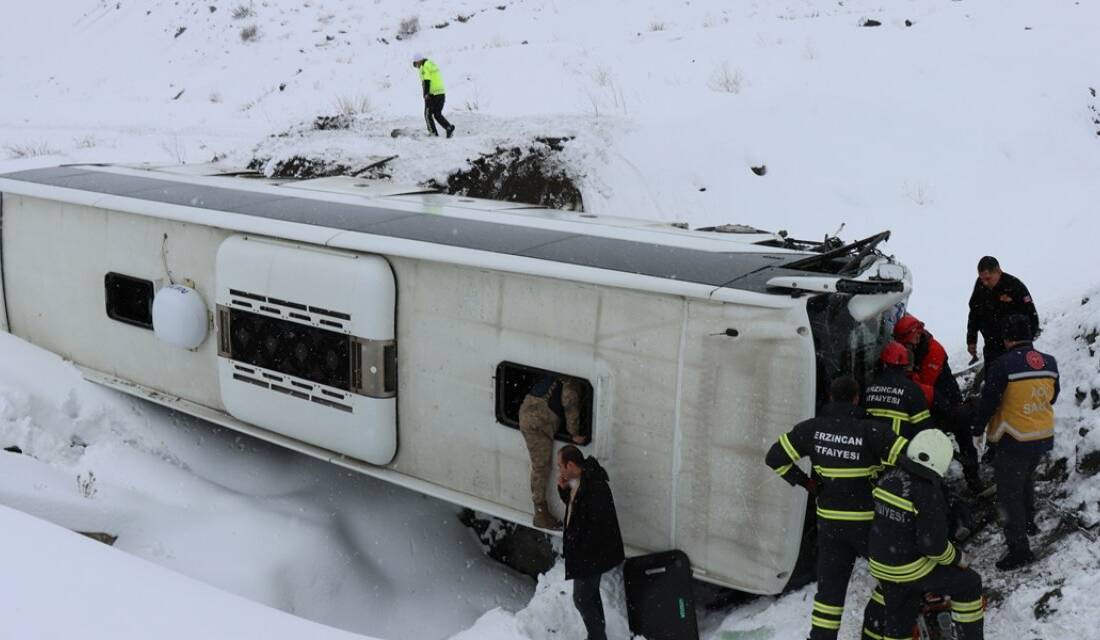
(538,424)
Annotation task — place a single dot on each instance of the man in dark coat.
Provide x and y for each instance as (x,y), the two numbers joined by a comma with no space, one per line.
(592,543)
(996,296)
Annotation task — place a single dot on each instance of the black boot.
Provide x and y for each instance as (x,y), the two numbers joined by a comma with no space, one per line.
(1016,558)
(973,480)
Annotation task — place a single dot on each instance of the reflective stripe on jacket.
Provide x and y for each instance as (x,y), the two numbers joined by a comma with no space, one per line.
(909,533)
(846,451)
(1017,400)
(429,71)
(896,400)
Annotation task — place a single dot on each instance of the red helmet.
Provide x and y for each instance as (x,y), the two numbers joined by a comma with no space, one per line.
(895,354)
(908,329)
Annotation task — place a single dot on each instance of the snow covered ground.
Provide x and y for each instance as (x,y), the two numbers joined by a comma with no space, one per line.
(972,131)
(66,586)
(267,524)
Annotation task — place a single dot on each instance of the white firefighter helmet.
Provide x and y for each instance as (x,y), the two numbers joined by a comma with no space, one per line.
(931,449)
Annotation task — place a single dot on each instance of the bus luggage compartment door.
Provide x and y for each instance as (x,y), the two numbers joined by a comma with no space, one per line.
(306,344)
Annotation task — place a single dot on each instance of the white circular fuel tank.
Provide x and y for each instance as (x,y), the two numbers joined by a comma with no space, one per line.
(179,316)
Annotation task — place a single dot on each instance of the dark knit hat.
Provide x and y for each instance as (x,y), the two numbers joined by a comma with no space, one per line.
(1017,328)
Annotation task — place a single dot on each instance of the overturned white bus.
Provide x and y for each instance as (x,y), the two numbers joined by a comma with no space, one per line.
(394,331)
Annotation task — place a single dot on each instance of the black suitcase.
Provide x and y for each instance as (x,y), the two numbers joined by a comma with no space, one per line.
(659,600)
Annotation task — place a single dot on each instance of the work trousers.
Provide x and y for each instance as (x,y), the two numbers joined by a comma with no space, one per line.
(839,543)
(538,423)
(963,586)
(587,600)
(433,112)
(955,422)
(1015,476)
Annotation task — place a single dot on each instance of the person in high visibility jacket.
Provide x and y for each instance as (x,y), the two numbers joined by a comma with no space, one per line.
(910,552)
(1016,410)
(895,399)
(932,373)
(431,82)
(847,451)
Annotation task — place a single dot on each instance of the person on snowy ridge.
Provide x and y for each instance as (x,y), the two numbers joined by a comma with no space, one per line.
(431,81)
(910,552)
(893,398)
(847,451)
(592,542)
(932,373)
(996,296)
(1017,401)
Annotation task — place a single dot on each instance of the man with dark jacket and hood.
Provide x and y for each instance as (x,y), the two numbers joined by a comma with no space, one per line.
(592,543)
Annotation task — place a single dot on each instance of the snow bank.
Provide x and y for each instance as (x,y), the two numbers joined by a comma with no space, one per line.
(550,615)
(58,584)
(252,519)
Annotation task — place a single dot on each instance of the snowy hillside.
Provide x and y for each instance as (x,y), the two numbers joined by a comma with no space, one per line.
(969,132)
(966,127)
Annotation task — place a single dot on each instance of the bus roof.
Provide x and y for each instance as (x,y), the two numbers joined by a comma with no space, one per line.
(693,257)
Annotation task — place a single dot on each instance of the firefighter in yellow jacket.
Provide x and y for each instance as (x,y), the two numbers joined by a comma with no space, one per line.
(431,82)
(1016,410)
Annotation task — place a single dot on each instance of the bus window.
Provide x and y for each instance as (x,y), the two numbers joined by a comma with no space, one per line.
(129,299)
(513,381)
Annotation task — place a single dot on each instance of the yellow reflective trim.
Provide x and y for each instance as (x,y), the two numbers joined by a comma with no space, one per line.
(848,516)
(867,633)
(973,605)
(964,618)
(876,596)
(784,469)
(900,568)
(824,623)
(947,557)
(838,472)
(888,413)
(920,417)
(901,503)
(789,448)
(896,450)
(828,609)
(904,573)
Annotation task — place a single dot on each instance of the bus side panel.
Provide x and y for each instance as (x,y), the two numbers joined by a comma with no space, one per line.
(734,515)
(3,297)
(56,256)
(456,324)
